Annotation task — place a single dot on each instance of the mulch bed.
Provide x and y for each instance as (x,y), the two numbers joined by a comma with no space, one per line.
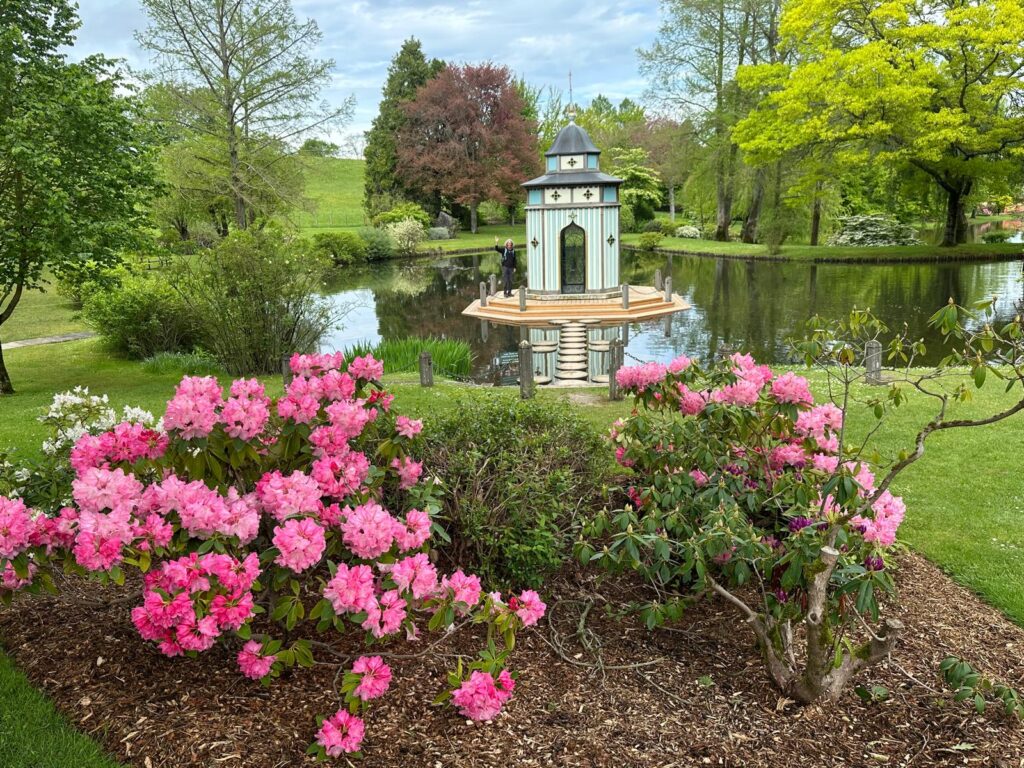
(152,712)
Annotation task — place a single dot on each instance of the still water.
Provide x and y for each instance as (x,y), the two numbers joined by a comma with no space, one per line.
(737,305)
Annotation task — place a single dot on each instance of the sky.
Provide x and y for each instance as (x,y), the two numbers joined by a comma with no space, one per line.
(541,40)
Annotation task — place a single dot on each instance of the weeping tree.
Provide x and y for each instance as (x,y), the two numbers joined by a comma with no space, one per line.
(75,168)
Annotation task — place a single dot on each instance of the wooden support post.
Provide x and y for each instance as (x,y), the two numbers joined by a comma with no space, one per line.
(286,370)
(426,369)
(525,370)
(668,326)
(625,297)
(522,298)
(873,361)
(614,363)
(668,289)
(484,328)
(483,294)
(625,334)
(494,284)
(659,283)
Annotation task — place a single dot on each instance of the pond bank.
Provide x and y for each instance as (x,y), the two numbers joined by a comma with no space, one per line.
(825,254)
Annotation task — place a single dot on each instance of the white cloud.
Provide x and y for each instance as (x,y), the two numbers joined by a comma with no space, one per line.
(538,39)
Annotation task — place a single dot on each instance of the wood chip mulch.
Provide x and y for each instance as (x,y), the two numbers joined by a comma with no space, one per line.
(703,700)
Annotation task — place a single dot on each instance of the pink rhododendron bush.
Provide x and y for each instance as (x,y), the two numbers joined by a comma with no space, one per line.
(745,488)
(240,510)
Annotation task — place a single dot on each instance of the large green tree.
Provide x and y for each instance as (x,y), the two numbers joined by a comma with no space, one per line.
(933,84)
(75,170)
(241,78)
(409,71)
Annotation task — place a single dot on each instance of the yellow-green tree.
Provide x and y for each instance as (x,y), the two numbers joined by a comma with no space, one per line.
(934,84)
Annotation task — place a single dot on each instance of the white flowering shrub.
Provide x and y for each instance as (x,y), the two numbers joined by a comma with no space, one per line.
(688,231)
(407,234)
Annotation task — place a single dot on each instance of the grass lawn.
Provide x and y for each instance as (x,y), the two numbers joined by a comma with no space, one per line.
(965,497)
(34,735)
(335,188)
(836,253)
(41,314)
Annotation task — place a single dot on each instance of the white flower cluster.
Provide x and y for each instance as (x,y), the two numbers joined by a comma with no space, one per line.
(77,413)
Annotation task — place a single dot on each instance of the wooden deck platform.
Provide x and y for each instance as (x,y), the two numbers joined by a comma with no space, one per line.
(645,303)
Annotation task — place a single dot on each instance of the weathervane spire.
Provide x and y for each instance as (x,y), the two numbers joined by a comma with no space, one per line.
(572,105)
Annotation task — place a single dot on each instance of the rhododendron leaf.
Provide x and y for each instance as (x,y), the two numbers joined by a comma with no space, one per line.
(20,564)
(244,631)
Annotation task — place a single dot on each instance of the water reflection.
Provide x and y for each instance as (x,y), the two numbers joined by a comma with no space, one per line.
(737,305)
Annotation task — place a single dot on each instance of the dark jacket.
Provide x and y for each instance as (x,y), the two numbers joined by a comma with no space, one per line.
(508,256)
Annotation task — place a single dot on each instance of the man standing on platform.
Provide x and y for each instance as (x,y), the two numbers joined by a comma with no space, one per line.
(508,263)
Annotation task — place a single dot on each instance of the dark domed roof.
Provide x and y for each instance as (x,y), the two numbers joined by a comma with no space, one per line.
(572,140)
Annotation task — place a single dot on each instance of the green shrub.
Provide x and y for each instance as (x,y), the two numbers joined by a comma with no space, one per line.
(407,235)
(401,212)
(83,274)
(627,222)
(516,475)
(257,298)
(650,240)
(668,227)
(379,245)
(997,236)
(874,230)
(651,226)
(688,231)
(139,316)
(439,233)
(343,248)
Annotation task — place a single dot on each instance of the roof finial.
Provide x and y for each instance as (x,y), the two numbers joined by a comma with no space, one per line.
(572,106)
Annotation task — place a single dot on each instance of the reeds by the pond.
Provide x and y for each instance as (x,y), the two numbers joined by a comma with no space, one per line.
(451,357)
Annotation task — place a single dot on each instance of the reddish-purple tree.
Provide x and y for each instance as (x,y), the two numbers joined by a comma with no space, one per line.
(466,138)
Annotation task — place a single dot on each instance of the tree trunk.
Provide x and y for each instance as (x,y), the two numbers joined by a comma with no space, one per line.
(6,387)
(472,216)
(956,218)
(816,215)
(672,203)
(749,232)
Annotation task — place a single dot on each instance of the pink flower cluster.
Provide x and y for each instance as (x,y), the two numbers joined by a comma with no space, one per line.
(285,496)
(341,732)
(301,543)
(375,677)
(481,697)
(192,412)
(17,526)
(126,443)
(246,412)
(252,661)
(187,603)
(640,377)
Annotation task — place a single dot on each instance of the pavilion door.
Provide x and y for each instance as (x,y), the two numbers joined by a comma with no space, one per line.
(574,259)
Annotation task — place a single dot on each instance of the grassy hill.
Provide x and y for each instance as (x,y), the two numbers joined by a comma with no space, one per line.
(335,188)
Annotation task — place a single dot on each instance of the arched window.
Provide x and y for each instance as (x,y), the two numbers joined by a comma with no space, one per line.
(573,254)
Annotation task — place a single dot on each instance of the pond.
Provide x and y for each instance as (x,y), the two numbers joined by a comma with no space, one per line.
(738,305)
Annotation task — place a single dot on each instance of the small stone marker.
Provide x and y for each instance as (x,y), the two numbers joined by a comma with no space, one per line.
(668,289)
(286,370)
(658,282)
(613,367)
(494,284)
(873,361)
(426,369)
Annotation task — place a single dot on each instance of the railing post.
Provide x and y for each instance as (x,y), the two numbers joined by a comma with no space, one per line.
(668,289)
(625,296)
(614,350)
(426,369)
(873,361)
(525,370)
(668,326)
(658,282)
(522,298)
(483,294)
(286,370)
(494,284)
